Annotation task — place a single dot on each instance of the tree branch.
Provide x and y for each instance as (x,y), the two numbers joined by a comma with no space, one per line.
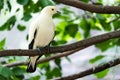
(91,7)
(42,60)
(92,70)
(80,44)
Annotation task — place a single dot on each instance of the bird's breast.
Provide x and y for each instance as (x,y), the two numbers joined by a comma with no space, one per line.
(44,36)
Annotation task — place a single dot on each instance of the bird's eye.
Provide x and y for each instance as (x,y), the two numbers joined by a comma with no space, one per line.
(52,9)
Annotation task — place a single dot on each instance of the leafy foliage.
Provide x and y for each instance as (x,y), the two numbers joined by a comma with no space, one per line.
(85,26)
(1,4)
(21,28)
(9,24)
(8,74)
(2,44)
(22,2)
(102,73)
(97,58)
(107,45)
(71,32)
(71,26)
(26,17)
(9,5)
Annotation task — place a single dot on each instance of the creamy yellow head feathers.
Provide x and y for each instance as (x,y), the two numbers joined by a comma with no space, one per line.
(50,10)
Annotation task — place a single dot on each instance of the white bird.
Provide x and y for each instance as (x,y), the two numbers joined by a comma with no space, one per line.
(41,33)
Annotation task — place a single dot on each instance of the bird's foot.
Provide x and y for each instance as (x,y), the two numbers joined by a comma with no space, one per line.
(47,48)
(38,49)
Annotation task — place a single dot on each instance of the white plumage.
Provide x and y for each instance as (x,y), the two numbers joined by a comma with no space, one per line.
(41,33)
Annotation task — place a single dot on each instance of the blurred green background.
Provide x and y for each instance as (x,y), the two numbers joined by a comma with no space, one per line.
(71,26)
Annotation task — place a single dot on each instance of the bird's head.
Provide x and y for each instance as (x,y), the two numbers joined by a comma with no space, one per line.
(50,10)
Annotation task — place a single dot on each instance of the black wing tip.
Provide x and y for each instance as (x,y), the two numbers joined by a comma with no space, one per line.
(30,69)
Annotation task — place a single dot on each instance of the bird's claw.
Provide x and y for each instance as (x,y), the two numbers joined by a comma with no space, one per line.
(38,49)
(48,48)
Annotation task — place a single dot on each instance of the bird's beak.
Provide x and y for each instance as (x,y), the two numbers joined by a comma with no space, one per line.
(58,12)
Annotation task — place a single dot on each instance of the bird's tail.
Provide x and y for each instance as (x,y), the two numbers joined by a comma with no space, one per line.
(32,64)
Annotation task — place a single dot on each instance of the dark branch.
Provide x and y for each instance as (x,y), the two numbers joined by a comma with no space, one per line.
(42,60)
(80,44)
(91,7)
(92,70)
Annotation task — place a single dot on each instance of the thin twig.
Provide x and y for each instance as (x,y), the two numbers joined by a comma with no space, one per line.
(90,71)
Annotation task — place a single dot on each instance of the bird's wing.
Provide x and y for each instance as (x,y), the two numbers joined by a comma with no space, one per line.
(32,42)
(32,35)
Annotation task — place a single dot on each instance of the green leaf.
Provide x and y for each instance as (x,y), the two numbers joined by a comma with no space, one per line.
(102,74)
(17,9)
(58,62)
(105,45)
(18,71)
(27,37)
(2,78)
(35,78)
(103,21)
(61,26)
(37,7)
(85,26)
(26,17)
(1,4)
(116,24)
(53,43)
(9,5)
(45,3)
(28,8)
(56,72)
(49,74)
(71,29)
(78,36)
(63,16)
(66,10)
(61,42)
(97,58)
(118,42)
(22,2)
(100,2)
(6,72)
(44,65)
(31,7)
(9,24)
(94,24)
(2,44)
(21,27)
